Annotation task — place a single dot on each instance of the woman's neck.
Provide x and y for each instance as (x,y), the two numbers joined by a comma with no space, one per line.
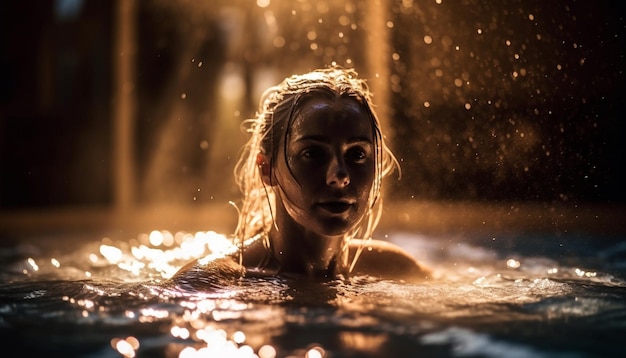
(300,251)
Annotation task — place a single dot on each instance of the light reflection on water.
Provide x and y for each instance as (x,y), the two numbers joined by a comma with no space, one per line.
(108,298)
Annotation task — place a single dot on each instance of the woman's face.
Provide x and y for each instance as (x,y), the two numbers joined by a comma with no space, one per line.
(326,174)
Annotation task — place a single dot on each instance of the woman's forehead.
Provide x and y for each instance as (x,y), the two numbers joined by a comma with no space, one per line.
(320,116)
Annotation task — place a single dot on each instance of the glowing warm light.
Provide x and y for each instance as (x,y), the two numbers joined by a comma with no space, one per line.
(267,351)
(168,238)
(232,85)
(180,332)
(126,347)
(151,312)
(513,264)
(55,262)
(246,351)
(156,238)
(583,273)
(218,243)
(88,304)
(239,337)
(481,281)
(133,267)
(204,334)
(134,342)
(316,352)
(33,264)
(188,352)
(111,253)
(164,251)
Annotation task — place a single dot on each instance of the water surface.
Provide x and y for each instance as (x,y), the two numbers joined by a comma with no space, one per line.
(527,295)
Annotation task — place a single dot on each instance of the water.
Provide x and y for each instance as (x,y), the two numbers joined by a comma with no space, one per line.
(526,295)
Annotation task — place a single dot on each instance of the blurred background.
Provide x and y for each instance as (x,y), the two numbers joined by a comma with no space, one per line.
(125,115)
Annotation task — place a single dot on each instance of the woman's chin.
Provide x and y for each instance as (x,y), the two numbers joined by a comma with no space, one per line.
(335,226)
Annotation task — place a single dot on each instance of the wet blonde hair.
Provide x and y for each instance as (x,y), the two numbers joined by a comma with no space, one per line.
(277,107)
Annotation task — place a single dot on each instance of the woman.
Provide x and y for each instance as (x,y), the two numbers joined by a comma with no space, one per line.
(311,177)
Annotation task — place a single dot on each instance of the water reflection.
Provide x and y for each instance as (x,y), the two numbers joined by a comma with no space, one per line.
(480,302)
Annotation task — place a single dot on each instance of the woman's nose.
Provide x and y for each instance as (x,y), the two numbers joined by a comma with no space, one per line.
(337,174)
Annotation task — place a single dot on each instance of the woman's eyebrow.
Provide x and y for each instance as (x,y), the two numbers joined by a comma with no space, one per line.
(326,139)
(360,140)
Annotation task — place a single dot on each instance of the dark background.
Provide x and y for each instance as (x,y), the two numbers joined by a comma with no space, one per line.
(489,101)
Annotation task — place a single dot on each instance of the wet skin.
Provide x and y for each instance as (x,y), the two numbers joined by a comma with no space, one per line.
(325,174)
(322,176)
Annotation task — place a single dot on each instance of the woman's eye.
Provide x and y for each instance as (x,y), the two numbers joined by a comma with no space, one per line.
(356,155)
(312,153)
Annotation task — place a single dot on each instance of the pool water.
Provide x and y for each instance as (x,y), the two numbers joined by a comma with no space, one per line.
(525,295)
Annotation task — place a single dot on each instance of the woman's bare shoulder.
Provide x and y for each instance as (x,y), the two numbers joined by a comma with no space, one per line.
(208,272)
(386,260)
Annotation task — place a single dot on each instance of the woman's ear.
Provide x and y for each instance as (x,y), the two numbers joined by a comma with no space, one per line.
(263,162)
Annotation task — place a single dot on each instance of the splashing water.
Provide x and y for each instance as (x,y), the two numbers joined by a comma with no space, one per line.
(109,298)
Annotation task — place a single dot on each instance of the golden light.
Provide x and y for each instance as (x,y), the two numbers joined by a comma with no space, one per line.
(33,264)
(239,337)
(179,332)
(126,347)
(513,264)
(156,238)
(263,3)
(315,352)
(161,251)
(267,351)
(111,253)
(583,273)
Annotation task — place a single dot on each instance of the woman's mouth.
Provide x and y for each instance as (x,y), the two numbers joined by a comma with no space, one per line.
(335,207)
